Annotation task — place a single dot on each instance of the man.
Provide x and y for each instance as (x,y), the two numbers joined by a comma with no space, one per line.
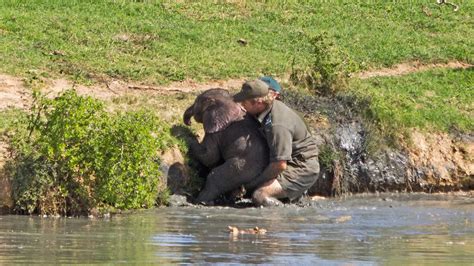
(294,165)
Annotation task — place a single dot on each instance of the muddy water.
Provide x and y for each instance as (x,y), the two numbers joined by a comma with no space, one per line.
(391,228)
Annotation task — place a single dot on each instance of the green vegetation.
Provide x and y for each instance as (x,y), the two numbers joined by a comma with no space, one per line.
(71,157)
(329,71)
(434,100)
(327,157)
(9,118)
(162,41)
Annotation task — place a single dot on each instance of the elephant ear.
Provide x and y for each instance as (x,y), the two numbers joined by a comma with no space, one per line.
(221,114)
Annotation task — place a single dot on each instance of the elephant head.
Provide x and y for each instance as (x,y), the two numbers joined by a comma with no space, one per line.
(215,109)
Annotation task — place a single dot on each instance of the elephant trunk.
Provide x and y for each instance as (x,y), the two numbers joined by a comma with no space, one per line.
(188,114)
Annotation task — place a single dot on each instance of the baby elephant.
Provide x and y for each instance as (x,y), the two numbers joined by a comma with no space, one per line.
(232,146)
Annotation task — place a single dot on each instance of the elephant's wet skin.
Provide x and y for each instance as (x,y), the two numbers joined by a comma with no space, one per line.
(231,137)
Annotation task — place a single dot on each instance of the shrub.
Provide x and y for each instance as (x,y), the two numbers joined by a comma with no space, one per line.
(71,156)
(328,70)
(327,157)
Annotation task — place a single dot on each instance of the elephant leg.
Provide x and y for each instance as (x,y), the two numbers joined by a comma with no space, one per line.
(224,178)
(209,193)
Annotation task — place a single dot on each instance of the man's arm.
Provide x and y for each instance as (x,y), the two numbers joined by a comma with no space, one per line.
(270,172)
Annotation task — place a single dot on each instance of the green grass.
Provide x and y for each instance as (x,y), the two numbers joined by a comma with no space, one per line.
(438,100)
(163,41)
(8,118)
(158,42)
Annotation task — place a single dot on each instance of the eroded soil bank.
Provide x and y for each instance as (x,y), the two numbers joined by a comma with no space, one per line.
(422,161)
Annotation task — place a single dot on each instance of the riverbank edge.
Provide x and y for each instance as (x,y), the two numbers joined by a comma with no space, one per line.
(445,160)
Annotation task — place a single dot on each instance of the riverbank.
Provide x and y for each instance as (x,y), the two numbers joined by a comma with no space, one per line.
(389,98)
(355,156)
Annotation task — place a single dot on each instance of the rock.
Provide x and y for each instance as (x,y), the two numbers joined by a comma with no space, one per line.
(178,201)
(242,42)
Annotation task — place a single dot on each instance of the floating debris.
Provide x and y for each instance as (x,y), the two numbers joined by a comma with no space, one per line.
(343,219)
(251,231)
(317,198)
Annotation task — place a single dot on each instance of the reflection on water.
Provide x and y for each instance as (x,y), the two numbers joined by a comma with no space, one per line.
(362,230)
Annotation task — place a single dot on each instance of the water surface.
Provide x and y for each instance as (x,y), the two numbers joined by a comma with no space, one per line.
(393,229)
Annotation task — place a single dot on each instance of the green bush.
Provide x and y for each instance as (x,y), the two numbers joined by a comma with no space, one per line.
(329,68)
(327,157)
(71,156)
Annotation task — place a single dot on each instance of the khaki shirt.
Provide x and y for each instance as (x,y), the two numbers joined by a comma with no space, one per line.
(286,133)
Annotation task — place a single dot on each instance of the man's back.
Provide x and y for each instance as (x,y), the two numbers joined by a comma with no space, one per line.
(287,134)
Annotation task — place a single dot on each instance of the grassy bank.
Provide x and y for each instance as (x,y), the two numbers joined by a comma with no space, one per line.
(163,41)
(438,100)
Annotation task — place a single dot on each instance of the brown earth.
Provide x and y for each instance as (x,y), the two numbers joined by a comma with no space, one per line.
(410,67)
(14,93)
(446,160)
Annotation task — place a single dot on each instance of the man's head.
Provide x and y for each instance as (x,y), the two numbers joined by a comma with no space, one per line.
(254,96)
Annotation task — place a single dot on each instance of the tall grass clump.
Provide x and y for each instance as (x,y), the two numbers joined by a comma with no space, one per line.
(329,67)
(71,156)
